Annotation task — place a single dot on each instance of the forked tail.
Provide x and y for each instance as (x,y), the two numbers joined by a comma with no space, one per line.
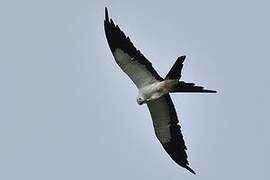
(181,86)
(175,71)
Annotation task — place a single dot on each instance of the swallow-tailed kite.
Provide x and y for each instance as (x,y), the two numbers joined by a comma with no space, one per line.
(154,90)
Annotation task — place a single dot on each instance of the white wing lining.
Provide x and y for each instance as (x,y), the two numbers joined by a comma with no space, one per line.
(137,72)
(161,119)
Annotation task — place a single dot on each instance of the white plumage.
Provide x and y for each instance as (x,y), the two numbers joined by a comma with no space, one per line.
(153,90)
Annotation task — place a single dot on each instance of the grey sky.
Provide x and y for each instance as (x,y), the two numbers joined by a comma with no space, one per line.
(67,111)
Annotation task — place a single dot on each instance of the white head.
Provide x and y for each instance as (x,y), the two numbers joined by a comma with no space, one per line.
(140,100)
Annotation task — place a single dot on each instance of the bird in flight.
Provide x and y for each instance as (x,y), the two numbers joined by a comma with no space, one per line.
(153,90)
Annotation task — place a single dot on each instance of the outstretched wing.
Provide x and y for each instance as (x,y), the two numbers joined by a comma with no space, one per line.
(131,61)
(167,129)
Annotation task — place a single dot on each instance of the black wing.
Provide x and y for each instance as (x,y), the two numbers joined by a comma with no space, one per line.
(167,129)
(131,60)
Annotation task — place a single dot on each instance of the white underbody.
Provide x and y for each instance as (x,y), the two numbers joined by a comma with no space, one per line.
(156,90)
(149,87)
(151,92)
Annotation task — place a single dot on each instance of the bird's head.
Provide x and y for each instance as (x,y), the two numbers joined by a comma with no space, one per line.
(140,100)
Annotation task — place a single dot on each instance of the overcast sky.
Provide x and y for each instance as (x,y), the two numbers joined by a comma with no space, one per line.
(68,112)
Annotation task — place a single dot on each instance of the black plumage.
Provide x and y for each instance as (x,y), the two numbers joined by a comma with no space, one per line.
(162,110)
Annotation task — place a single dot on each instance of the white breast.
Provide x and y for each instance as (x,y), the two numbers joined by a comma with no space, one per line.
(152,91)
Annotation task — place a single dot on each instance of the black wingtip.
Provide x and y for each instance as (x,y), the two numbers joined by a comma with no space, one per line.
(190,170)
(106,14)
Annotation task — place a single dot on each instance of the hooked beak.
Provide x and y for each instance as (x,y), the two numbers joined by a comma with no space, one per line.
(141,102)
